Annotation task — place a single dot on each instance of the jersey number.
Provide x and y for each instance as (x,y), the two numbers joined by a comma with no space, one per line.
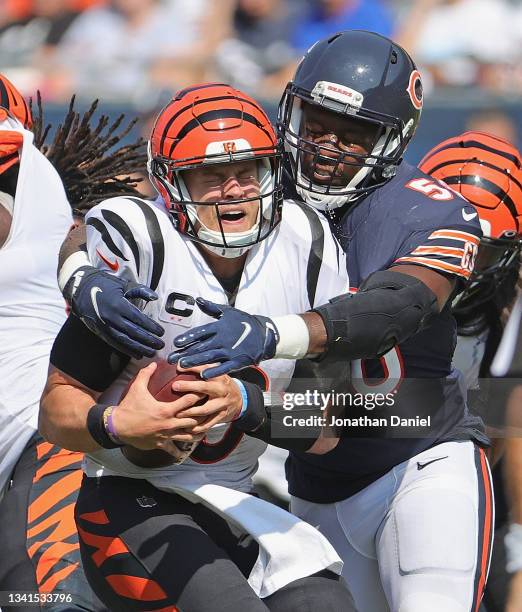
(433,190)
(470,254)
(205,452)
(393,370)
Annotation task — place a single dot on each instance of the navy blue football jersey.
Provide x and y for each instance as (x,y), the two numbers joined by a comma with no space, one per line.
(416,220)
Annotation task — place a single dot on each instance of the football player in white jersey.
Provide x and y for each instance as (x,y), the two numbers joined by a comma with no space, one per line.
(34,219)
(39,482)
(190,536)
(487,171)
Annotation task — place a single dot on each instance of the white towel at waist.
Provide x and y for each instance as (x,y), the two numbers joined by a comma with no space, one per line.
(289,548)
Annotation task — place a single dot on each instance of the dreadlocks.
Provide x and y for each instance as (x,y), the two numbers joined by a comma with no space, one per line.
(84,156)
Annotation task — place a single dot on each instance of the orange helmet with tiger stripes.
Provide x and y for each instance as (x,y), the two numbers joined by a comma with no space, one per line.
(487,171)
(12,104)
(208,124)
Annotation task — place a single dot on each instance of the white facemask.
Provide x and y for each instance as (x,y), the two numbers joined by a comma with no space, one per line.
(238,242)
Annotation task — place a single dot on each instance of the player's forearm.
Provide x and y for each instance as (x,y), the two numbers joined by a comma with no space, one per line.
(73,255)
(318,338)
(63,417)
(76,240)
(389,308)
(300,336)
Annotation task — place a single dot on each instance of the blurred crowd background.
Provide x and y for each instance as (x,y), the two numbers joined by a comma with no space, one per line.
(132,54)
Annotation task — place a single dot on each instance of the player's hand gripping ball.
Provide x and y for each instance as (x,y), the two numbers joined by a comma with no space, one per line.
(160,387)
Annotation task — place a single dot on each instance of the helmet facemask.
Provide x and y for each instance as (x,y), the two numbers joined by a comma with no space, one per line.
(206,221)
(365,169)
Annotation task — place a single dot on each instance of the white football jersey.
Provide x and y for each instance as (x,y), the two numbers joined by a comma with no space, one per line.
(297,267)
(32,309)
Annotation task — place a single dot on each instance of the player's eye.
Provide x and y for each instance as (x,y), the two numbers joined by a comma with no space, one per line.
(247,177)
(350,143)
(314,130)
(213,179)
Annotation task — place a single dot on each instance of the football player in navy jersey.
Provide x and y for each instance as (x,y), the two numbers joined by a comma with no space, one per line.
(408,509)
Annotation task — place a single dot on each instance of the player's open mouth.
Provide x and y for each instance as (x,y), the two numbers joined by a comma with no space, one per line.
(231,215)
(325,172)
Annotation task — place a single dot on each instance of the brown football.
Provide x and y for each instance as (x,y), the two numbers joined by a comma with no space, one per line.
(160,386)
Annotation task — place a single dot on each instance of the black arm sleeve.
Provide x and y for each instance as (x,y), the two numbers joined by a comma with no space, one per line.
(85,357)
(388,308)
(263,422)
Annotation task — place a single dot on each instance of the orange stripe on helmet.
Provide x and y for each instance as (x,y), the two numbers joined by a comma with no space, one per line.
(13,101)
(43,448)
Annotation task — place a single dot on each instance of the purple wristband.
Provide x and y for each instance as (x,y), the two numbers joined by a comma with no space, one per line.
(109,426)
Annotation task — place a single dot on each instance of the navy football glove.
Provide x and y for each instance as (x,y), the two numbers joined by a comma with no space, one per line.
(101,301)
(236,340)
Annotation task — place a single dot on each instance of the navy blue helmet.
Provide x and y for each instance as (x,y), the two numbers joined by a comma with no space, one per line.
(348,115)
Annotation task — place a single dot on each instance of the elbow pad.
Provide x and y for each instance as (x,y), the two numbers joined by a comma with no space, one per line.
(389,308)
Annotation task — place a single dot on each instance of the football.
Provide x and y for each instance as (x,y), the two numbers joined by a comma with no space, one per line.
(160,387)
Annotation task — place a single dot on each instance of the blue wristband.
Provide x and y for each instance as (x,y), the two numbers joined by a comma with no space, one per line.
(244,395)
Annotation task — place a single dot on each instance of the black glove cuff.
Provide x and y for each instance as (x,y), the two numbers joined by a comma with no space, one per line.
(255,414)
(97,429)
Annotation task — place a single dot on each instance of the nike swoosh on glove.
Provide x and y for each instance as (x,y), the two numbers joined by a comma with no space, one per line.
(102,302)
(236,340)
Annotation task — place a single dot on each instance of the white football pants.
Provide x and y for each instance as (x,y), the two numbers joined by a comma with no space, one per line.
(419,538)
